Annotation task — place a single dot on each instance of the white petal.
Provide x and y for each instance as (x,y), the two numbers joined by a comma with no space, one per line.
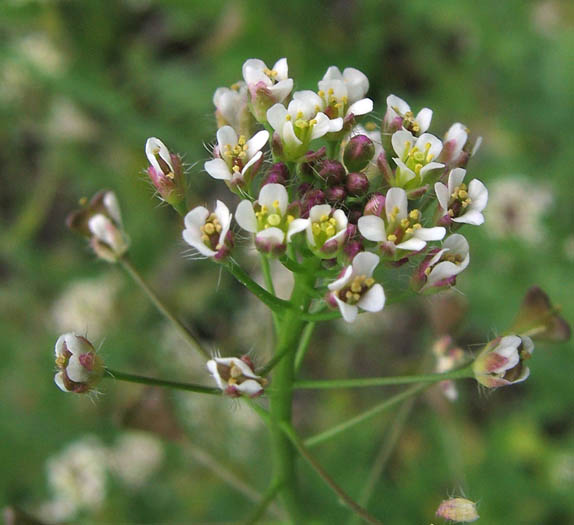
(226,136)
(348,311)
(281,68)
(423,119)
(102,228)
(317,211)
(442,195)
(196,218)
(431,166)
(364,263)
(361,107)
(60,345)
(272,193)
(406,173)
(112,205)
(412,244)
(373,299)
(372,228)
(77,345)
(59,380)
(398,105)
(333,73)
(250,387)
(212,367)
(153,147)
(441,271)
(255,143)
(527,344)
(224,217)
(289,137)
(76,372)
(322,127)
(341,218)
(456,244)
(335,124)
(218,169)
(251,162)
(455,179)
(296,226)
(402,139)
(430,234)
(478,193)
(470,217)
(253,71)
(396,197)
(281,90)
(343,280)
(276,116)
(357,83)
(272,236)
(435,144)
(245,216)
(194,240)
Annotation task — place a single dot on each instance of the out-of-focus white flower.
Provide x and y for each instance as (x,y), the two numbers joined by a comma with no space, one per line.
(237,159)
(416,157)
(460,203)
(516,207)
(399,115)
(356,288)
(343,94)
(80,368)
(326,230)
(166,173)
(448,357)
(300,123)
(77,477)
(266,86)
(459,510)
(135,457)
(231,108)
(86,305)
(209,232)
(42,53)
(501,362)
(68,122)
(269,220)
(400,229)
(236,376)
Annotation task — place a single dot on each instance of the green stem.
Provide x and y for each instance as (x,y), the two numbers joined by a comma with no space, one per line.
(142,380)
(364,416)
(274,303)
(343,496)
(266,269)
(265,501)
(185,332)
(463,373)
(303,345)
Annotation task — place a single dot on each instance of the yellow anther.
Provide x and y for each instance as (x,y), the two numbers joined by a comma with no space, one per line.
(264,209)
(409,231)
(218,228)
(324,218)
(321,93)
(209,228)
(417,226)
(61,361)
(418,168)
(300,115)
(290,219)
(300,123)
(370,126)
(404,223)
(356,287)
(236,86)
(312,122)
(395,211)
(451,213)
(392,237)
(234,371)
(369,281)
(414,214)
(317,108)
(349,294)
(356,297)
(462,194)
(241,140)
(316,228)
(330,91)
(276,204)
(330,231)
(287,117)
(416,128)
(344,99)
(83,201)
(333,221)
(205,238)
(274,219)
(236,169)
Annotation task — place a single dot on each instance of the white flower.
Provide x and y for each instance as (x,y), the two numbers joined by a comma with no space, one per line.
(501,362)
(80,369)
(301,122)
(343,93)
(326,230)
(159,157)
(448,262)
(231,108)
(459,203)
(457,149)
(415,156)
(208,232)
(266,86)
(236,156)
(236,377)
(399,114)
(356,288)
(269,219)
(400,229)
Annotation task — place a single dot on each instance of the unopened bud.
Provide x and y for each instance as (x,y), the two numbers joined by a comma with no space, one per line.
(358,153)
(332,172)
(79,368)
(236,376)
(357,184)
(375,205)
(335,194)
(278,174)
(460,510)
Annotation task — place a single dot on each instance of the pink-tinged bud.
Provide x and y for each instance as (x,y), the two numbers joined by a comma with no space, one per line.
(236,377)
(417,193)
(501,362)
(375,205)
(354,215)
(358,153)
(351,249)
(335,194)
(540,320)
(459,510)
(166,173)
(311,198)
(270,246)
(384,167)
(80,369)
(278,174)
(357,184)
(311,162)
(332,172)
(351,231)
(100,221)
(277,145)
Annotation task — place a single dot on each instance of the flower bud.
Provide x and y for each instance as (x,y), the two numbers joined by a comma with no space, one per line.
(79,368)
(311,162)
(501,362)
(236,376)
(375,205)
(166,173)
(459,510)
(350,249)
(100,221)
(357,184)
(332,172)
(335,194)
(384,167)
(358,153)
(278,173)
(311,198)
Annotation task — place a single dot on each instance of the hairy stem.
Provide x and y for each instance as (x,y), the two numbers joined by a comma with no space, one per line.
(185,332)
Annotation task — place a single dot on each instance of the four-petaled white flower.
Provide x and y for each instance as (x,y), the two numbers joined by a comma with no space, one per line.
(343,94)
(300,123)
(266,86)
(356,288)
(236,377)
(457,149)
(501,362)
(231,108)
(415,157)
(269,220)
(400,229)
(236,156)
(80,369)
(443,267)
(461,203)
(209,232)
(399,114)
(326,230)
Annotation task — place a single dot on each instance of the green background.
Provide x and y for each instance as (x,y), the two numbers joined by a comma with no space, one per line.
(83,84)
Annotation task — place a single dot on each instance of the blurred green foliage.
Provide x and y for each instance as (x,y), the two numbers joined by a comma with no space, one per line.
(84,83)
